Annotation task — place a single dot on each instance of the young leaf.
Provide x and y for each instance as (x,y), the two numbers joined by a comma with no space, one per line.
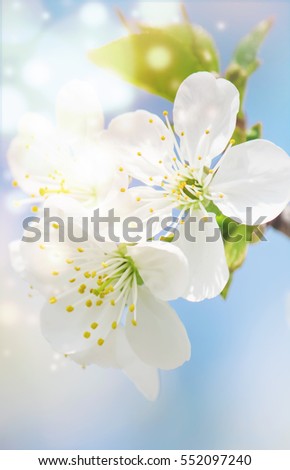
(159,59)
(255,132)
(246,52)
(198,42)
(245,60)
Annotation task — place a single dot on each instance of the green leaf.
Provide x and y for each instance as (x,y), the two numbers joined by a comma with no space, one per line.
(237,238)
(196,40)
(159,59)
(246,52)
(245,60)
(225,291)
(255,132)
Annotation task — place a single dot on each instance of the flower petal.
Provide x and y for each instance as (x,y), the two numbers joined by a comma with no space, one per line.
(73,331)
(163,268)
(159,339)
(78,111)
(206,257)
(141,208)
(35,153)
(205,110)
(253,175)
(116,352)
(145,145)
(144,377)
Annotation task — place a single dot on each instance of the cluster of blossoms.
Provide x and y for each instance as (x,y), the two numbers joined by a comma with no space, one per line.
(106,302)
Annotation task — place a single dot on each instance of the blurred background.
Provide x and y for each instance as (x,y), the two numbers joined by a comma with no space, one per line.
(235,391)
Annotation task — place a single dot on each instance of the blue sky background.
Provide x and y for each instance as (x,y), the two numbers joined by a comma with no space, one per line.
(234,393)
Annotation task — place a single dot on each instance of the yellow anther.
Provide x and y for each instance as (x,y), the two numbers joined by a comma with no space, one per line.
(100,341)
(182,134)
(14,183)
(138,199)
(82,288)
(122,190)
(80,250)
(114,325)
(163,137)
(89,303)
(166,177)
(52,300)
(160,161)
(56,226)
(150,120)
(42,247)
(86,334)
(150,178)
(207,131)
(34,209)
(27,176)
(77,268)
(104,264)
(42,191)
(98,303)
(55,273)
(199,157)
(205,219)
(151,210)
(94,325)
(87,274)
(210,171)
(221,195)
(134,323)
(69,308)
(72,280)
(121,168)
(69,261)
(113,302)
(99,282)
(232,141)
(132,308)
(165,113)
(139,154)
(94,273)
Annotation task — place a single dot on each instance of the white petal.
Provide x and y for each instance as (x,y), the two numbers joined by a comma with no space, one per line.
(40,259)
(104,356)
(144,377)
(35,153)
(116,352)
(65,330)
(163,268)
(78,111)
(206,257)
(95,175)
(204,103)
(141,207)
(159,339)
(254,175)
(135,134)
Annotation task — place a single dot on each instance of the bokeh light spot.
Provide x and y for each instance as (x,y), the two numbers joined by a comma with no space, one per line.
(159,57)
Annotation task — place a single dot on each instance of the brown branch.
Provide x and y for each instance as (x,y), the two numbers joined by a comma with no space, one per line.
(282,222)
